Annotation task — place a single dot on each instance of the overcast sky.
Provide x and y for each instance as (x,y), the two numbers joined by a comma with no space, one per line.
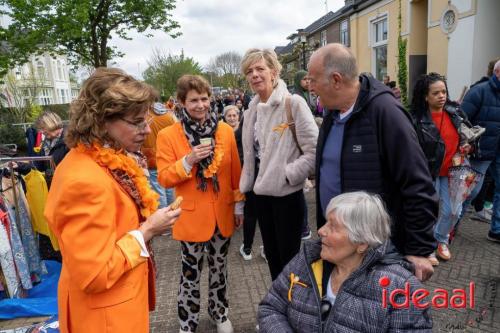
(212,27)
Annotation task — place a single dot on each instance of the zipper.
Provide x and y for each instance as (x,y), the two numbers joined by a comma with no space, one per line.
(315,288)
(355,274)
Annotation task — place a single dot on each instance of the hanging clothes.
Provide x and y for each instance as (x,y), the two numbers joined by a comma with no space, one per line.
(36,194)
(36,266)
(7,260)
(17,249)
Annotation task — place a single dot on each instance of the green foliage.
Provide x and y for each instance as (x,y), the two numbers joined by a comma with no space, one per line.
(62,110)
(165,69)
(10,133)
(35,111)
(402,66)
(81,29)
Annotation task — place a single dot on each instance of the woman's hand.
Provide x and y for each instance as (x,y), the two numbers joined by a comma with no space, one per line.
(238,220)
(158,223)
(198,153)
(466,149)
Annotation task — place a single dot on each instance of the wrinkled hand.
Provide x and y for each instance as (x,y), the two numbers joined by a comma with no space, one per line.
(423,267)
(238,220)
(158,223)
(198,153)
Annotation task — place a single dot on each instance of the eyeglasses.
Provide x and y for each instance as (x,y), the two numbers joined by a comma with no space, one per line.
(141,126)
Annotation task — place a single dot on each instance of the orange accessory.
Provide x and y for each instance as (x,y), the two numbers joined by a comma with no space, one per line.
(116,159)
(294,279)
(218,155)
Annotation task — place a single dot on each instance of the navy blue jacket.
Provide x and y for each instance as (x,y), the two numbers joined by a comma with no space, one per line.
(482,106)
(381,154)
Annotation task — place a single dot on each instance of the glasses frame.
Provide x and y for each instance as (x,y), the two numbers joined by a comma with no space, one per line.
(140,127)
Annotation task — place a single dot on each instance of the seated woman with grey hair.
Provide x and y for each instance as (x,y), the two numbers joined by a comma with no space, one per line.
(343,282)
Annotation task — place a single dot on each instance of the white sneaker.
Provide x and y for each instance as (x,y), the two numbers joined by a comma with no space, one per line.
(483,215)
(246,256)
(225,327)
(263,253)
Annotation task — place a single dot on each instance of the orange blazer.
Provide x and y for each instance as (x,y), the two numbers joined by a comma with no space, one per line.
(201,211)
(103,285)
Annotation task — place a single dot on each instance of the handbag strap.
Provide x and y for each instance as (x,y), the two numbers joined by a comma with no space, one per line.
(291,122)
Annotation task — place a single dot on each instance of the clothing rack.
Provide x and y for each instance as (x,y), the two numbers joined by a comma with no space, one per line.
(4,160)
(25,159)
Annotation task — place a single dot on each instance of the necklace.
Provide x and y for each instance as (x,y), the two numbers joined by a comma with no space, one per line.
(129,175)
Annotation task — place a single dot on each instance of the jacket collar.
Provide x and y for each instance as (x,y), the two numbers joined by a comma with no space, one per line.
(276,98)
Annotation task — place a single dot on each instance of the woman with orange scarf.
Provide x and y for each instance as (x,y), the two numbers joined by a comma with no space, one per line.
(102,210)
(198,156)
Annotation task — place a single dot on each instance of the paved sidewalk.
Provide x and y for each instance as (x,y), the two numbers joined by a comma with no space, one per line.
(474,259)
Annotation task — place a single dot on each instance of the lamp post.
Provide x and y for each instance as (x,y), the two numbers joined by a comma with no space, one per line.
(303,40)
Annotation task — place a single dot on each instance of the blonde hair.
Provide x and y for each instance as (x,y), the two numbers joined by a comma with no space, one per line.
(254,55)
(48,121)
(108,94)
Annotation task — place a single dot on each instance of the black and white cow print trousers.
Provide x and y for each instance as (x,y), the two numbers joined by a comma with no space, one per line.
(188,299)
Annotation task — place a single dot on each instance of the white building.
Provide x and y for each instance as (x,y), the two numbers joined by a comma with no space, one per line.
(44,80)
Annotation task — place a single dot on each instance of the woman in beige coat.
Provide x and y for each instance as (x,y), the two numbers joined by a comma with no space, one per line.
(275,163)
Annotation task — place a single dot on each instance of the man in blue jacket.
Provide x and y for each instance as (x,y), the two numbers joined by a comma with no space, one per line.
(482,106)
(367,142)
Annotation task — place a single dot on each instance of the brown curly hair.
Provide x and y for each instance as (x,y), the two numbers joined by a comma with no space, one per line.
(108,94)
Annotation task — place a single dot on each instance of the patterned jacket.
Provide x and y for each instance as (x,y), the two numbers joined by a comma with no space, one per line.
(295,307)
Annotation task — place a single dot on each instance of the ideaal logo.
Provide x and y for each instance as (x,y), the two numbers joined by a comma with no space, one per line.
(439,298)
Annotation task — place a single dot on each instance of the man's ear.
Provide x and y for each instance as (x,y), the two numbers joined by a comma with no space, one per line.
(336,78)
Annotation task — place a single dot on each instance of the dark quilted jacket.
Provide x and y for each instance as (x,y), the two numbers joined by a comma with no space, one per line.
(381,155)
(358,306)
(482,106)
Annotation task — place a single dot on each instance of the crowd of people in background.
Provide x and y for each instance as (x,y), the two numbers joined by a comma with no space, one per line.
(246,158)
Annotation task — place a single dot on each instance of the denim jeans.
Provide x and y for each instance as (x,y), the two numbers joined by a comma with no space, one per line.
(480,166)
(495,173)
(446,220)
(166,194)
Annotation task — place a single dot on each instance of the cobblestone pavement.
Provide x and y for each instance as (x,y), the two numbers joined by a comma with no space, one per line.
(474,259)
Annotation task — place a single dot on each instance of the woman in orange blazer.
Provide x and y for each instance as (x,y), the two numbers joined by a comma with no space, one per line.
(198,156)
(102,210)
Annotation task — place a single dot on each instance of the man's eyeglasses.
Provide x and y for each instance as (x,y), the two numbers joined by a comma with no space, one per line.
(139,126)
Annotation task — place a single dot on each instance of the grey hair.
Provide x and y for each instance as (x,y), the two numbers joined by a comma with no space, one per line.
(497,66)
(339,58)
(363,215)
(254,55)
(228,108)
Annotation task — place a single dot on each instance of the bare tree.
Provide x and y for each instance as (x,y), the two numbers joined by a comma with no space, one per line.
(227,67)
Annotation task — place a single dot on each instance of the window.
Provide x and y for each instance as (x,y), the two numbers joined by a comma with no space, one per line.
(40,69)
(379,46)
(344,34)
(63,96)
(380,31)
(323,38)
(45,97)
(59,70)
